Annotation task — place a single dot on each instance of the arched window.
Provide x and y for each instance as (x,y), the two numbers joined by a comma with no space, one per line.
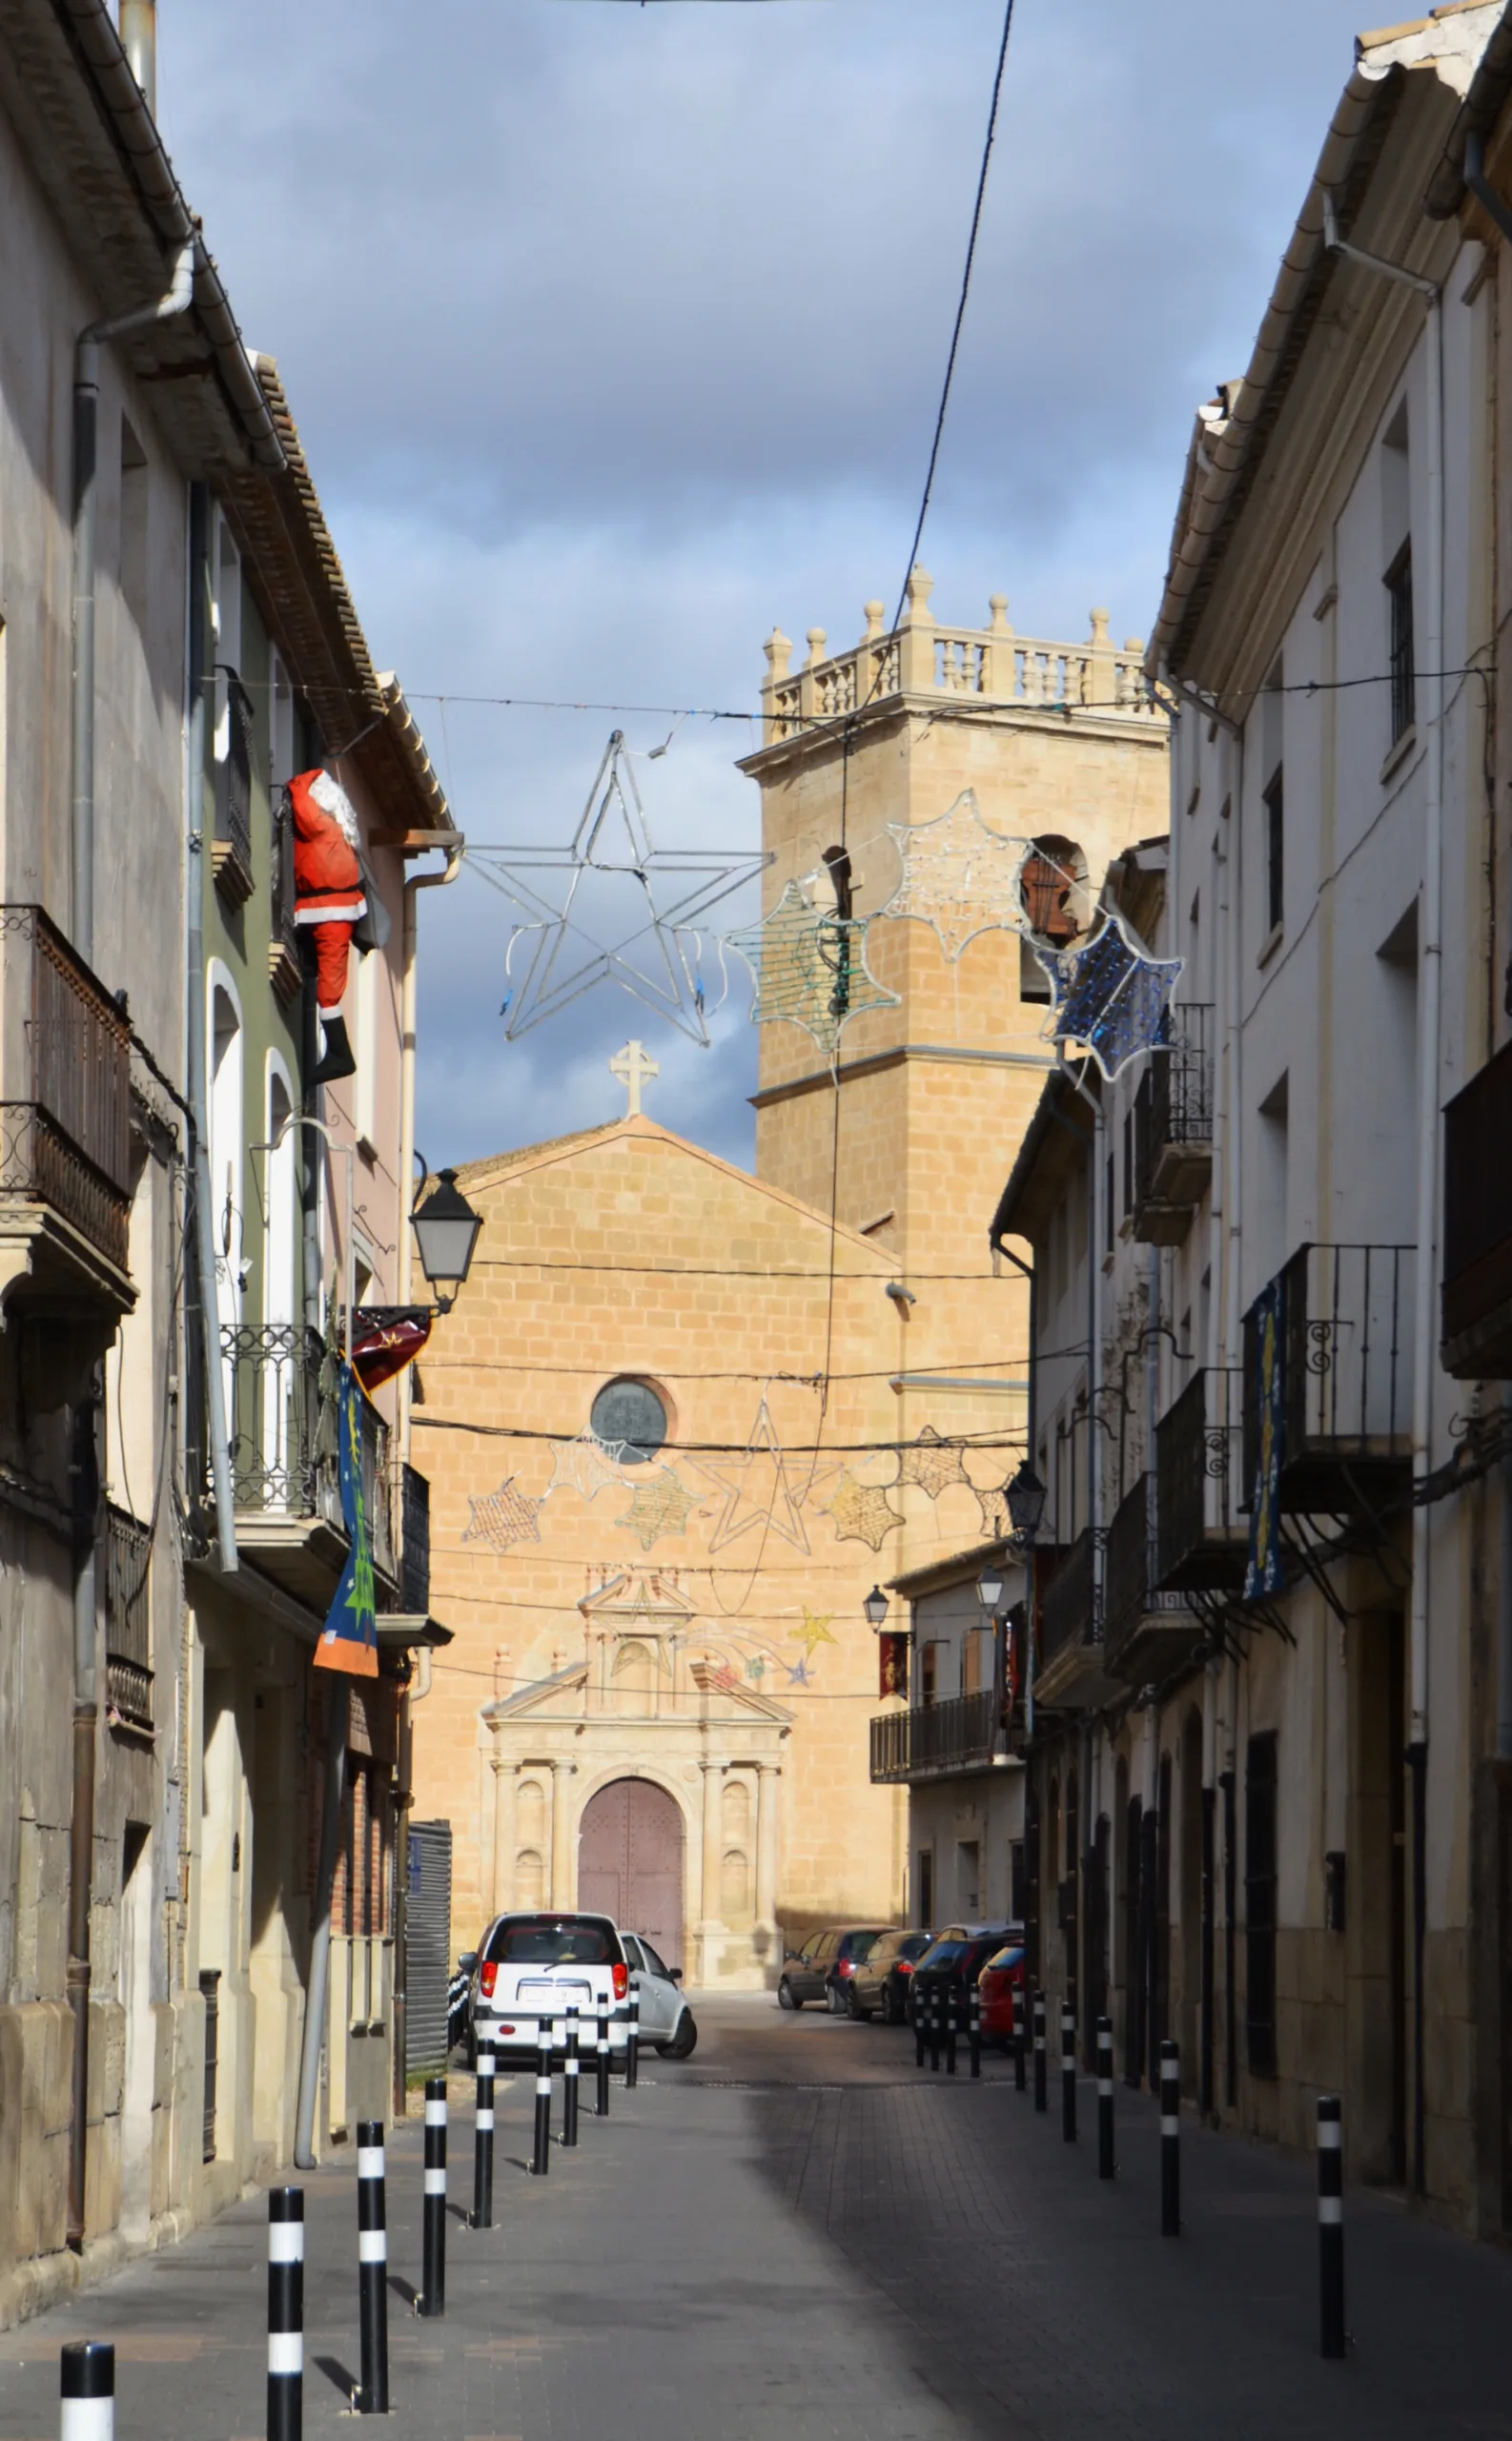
(1052,887)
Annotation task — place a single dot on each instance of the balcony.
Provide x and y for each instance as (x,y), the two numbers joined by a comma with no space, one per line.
(65,1120)
(127,1624)
(1476,1323)
(282,1409)
(1200,1533)
(1344,1353)
(414,1554)
(1070,1669)
(933,1740)
(1174,1129)
(1148,1633)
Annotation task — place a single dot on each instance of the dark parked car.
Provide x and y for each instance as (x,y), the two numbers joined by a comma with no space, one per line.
(880,1983)
(951,1966)
(823,1968)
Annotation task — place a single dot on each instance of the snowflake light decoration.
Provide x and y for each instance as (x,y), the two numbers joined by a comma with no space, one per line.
(860,1513)
(932,1464)
(959,876)
(504,1517)
(1109,995)
(586,1465)
(810,968)
(660,1506)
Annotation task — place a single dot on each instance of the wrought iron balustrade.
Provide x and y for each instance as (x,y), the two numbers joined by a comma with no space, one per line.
(1342,1387)
(415,1555)
(1128,1559)
(1068,1605)
(1174,1127)
(1200,1483)
(65,1084)
(932,1739)
(127,1620)
(282,1413)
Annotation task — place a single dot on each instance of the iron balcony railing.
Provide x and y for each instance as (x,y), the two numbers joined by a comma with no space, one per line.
(1174,1111)
(1128,1559)
(65,1084)
(1476,1313)
(128,1621)
(931,1739)
(1068,1605)
(282,1408)
(415,1553)
(1200,1483)
(1343,1349)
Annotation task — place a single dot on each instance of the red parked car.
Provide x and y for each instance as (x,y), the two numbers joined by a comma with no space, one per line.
(999,1979)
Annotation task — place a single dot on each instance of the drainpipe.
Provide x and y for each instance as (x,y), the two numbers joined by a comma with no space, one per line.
(138,32)
(84,1467)
(336,1701)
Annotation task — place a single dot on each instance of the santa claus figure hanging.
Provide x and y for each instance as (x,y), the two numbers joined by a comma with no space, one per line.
(329,896)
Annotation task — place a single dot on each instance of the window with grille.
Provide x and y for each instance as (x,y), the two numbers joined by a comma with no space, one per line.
(1398,596)
(1276,849)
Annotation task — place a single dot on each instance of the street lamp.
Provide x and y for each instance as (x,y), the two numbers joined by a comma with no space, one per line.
(1026,1502)
(447,1230)
(875,1607)
(990,1588)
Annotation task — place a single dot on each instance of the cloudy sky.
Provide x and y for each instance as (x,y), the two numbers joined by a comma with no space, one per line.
(615,335)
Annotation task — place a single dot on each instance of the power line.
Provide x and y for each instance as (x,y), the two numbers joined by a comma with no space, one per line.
(685,1373)
(734,1448)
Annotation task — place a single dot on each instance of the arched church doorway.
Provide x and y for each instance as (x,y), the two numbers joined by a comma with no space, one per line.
(630,1862)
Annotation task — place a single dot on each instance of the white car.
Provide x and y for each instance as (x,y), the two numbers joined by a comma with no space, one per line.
(665,2018)
(526,1969)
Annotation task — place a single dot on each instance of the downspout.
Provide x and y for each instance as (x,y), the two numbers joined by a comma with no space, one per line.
(336,1700)
(84,1467)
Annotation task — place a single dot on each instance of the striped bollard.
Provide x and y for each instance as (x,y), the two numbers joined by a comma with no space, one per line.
(1105,2157)
(285,2313)
(974,2028)
(432,2300)
(484,2143)
(540,2158)
(952,2028)
(373,2262)
(1041,2065)
(632,2042)
(569,2081)
(601,2096)
(919,2028)
(935,2025)
(1170,2140)
(1020,2043)
(1067,2072)
(88,2385)
(1331,2224)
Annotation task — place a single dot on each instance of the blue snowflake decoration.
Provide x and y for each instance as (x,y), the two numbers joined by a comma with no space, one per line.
(1110,996)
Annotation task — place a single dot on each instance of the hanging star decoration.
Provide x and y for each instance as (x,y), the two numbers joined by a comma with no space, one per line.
(660,1506)
(1109,995)
(502,1517)
(810,968)
(932,1464)
(959,876)
(798,1674)
(553,956)
(814,1631)
(755,1669)
(756,1489)
(586,1465)
(993,1506)
(860,1513)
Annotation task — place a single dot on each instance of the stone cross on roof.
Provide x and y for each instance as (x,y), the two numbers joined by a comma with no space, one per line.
(633,1068)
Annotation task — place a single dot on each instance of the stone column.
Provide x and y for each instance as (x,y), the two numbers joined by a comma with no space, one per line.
(506,1784)
(563,1876)
(767,1787)
(713,1846)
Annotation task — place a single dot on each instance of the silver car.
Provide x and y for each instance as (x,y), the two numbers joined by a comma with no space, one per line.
(665,2018)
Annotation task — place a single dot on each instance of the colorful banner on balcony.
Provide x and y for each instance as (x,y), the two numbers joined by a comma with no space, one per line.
(892,1664)
(349,1639)
(1265,1572)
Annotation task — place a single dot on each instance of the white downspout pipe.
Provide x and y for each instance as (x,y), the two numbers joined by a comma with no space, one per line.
(408,1022)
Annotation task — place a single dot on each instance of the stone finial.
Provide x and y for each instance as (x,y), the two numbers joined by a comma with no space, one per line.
(816,647)
(778,648)
(1100,629)
(998,604)
(875,614)
(1134,644)
(921,584)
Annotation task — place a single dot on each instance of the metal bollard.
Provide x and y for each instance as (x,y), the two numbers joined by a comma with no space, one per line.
(285,2313)
(371,2397)
(934,2027)
(569,2081)
(601,2097)
(974,2028)
(1020,2043)
(952,2026)
(432,2300)
(1067,2072)
(1041,2065)
(632,2043)
(541,2159)
(1105,2155)
(484,2143)
(919,2028)
(1170,2140)
(88,2384)
(1331,2224)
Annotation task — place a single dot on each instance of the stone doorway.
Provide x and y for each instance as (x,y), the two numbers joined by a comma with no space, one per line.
(630,1862)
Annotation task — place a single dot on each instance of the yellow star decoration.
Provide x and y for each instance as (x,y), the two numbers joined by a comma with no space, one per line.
(860,1513)
(932,1464)
(814,1631)
(660,1506)
(505,1516)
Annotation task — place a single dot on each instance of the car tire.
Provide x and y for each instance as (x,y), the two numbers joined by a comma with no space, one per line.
(890,2009)
(835,2000)
(786,1996)
(684,2043)
(854,2008)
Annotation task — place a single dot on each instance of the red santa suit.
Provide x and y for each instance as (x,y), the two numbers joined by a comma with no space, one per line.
(327,879)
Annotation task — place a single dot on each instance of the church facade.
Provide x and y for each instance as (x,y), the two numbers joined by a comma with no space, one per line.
(681,1419)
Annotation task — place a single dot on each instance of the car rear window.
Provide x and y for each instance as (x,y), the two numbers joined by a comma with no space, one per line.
(914,1944)
(1012,1956)
(943,1953)
(857,1944)
(555,1941)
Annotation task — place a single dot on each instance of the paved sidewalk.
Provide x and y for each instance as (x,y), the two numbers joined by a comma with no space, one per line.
(797,2232)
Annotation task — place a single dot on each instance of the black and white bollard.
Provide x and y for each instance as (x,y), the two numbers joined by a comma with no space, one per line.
(432,2300)
(952,2016)
(1067,2072)
(373,2266)
(88,2382)
(285,2313)
(974,2028)
(1331,2225)
(569,2081)
(600,2095)
(632,2042)
(1105,2155)
(1020,2041)
(1170,2140)
(934,2027)
(919,2026)
(540,2158)
(484,2143)
(1041,2065)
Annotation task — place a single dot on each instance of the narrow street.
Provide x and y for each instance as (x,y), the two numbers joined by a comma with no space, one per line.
(800,2231)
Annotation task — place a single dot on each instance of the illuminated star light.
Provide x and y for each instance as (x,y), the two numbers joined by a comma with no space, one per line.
(586,1465)
(502,1517)
(1109,995)
(959,876)
(932,1464)
(860,1513)
(814,1631)
(742,1510)
(660,1506)
(810,968)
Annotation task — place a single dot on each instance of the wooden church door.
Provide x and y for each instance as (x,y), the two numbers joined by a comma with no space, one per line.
(630,1862)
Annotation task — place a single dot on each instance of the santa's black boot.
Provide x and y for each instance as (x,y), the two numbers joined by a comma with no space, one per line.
(337,1061)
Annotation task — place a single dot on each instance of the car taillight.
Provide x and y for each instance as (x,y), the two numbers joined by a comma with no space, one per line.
(904,1965)
(622,1980)
(487,1976)
(846,1966)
